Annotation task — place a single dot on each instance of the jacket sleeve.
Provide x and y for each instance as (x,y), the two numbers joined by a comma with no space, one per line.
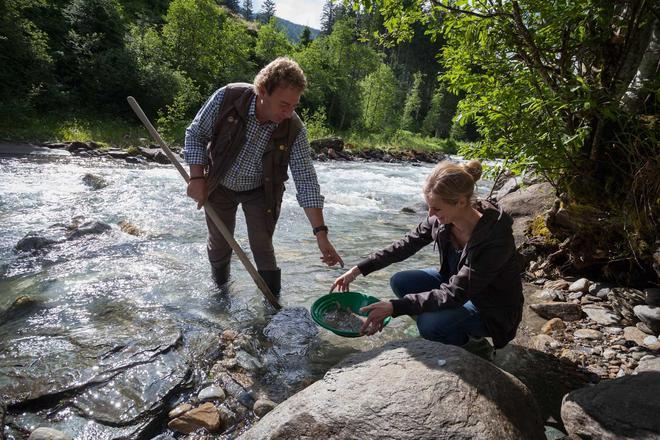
(472,279)
(412,242)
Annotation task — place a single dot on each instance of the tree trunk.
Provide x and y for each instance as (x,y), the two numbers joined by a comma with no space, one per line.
(647,71)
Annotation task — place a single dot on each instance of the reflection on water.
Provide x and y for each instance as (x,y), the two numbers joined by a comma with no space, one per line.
(113,297)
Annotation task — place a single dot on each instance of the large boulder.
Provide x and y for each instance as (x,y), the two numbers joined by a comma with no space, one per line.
(325,144)
(624,408)
(525,204)
(407,390)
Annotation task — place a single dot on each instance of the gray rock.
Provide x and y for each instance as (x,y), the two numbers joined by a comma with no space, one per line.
(211,393)
(565,311)
(248,362)
(574,295)
(601,315)
(649,316)
(643,327)
(613,330)
(624,408)
(634,334)
(525,204)
(602,293)
(49,434)
(163,437)
(89,228)
(263,407)
(509,186)
(586,333)
(399,391)
(650,363)
(581,285)
(94,181)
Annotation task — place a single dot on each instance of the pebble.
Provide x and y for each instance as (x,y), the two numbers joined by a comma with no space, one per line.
(263,407)
(613,330)
(204,416)
(643,327)
(634,334)
(555,324)
(649,316)
(588,334)
(211,393)
(608,353)
(600,315)
(581,285)
(48,434)
(652,342)
(556,285)
(574,295)
(179,410)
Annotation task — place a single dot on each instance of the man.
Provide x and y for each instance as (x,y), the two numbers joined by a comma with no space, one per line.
(239,147)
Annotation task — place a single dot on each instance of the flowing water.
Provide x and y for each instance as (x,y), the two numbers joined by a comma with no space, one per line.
(98,332)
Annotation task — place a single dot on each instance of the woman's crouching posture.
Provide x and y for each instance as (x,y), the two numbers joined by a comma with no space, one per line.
(476,291)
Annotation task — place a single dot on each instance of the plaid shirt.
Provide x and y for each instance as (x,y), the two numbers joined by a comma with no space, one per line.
(246,173)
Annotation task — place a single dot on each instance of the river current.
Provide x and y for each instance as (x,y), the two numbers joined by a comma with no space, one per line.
(99,317)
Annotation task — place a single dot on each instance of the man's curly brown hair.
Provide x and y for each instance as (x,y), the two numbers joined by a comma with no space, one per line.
(281,72)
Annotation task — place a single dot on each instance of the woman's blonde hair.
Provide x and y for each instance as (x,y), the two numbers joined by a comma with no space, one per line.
(449,181)
(281,72)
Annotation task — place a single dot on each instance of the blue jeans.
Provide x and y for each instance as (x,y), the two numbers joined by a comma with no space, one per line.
(450,326)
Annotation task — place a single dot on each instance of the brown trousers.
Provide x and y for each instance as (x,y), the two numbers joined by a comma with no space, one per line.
(260,228)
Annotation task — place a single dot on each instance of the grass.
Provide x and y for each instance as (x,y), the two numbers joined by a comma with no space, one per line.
(120,133)
(106,131)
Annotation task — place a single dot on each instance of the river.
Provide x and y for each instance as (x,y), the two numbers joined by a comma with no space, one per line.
(110,326)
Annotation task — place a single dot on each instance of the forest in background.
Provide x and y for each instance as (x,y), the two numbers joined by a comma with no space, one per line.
(566,89)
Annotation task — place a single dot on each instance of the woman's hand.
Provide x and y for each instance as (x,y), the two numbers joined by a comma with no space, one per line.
(342,283)
(377,314)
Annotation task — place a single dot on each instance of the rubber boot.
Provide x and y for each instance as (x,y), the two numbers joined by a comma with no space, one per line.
(273,279)
(221,274)
(481,347)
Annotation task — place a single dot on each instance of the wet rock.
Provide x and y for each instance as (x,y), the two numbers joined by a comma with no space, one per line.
(35,241)
(407,210)
(555,324)
(581,285)
(624,408)
(129,228)
(263,407)
(211,393)
(155,155)
(205,416)
(600,315)
(322,145)
(565,311)
(116,153)
(163,437)
(652,297)
(585,333)
(179,410)
(228,335)
(89,228)
(48,434)
(247,361)
(649,316)
(94,181)
(361,390)
(227,416)
(634,334)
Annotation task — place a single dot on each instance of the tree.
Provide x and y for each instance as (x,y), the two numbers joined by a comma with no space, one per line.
(380,98)
(247,9)
(566,88)
(232,5)
(211,47)
(305,37)
(410,119)
(267,11)
(438,120)
(331,13)
(271,43)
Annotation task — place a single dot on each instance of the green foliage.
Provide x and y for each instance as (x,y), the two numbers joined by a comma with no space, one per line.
(24,57)
(267,11)
(176,117)
(438,120)
(207,44)
(271,43)
(305,37)
(380,99)
(413,106)
(316,124)
(247,9)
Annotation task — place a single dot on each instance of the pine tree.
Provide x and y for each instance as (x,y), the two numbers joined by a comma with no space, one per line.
(305,37)
(267,11)
(413,105)
(247,9)
(231,5)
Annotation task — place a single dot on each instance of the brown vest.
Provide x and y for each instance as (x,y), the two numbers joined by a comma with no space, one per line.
(229,137)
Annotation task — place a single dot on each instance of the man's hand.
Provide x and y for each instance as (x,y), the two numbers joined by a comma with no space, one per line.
(377,314)
(197,191)
(342,283)
(328,253)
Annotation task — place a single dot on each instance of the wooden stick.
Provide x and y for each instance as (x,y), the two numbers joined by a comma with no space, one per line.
(261,284)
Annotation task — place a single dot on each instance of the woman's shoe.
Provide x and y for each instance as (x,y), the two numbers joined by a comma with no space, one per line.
(481,347)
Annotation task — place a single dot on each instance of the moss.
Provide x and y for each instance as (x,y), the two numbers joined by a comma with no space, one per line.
(538,228)
(133,151)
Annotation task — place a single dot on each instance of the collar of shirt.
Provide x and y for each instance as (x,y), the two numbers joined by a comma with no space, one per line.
(252,112)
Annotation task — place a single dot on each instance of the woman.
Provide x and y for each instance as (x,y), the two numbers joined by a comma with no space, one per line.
(476,291)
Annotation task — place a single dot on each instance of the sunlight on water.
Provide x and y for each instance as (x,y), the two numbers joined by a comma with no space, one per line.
(114,284)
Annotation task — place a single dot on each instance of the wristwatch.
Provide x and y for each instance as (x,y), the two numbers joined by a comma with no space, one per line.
(318,229)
